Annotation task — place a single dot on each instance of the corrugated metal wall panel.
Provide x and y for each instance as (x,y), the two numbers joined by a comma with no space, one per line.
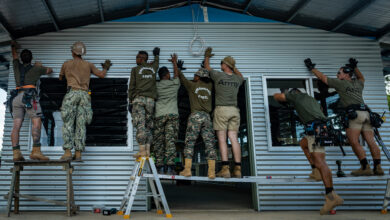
(260,49)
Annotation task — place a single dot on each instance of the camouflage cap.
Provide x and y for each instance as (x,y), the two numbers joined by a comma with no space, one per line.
(79,48)
(202,72)
(229,61)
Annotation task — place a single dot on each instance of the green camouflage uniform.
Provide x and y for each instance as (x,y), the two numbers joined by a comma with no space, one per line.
(142,95)
(76,113)
(143,116)
(165,136)
(200,122)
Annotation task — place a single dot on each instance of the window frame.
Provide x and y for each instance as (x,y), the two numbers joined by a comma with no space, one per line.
(309,86)
(101,148)
(310,90)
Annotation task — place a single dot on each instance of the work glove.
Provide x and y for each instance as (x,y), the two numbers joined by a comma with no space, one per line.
(208,52)
(309,64)
(156,51)
(352,63)
(107,64)
(180,64)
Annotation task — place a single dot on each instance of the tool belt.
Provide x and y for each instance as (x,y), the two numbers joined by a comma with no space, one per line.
(30,98)
(312,126)
(351,110)
(319,129)
(351,114)
(30,93)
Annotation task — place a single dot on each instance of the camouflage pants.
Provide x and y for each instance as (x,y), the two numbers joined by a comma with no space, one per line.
(142,114)
(165,136)
(200,123)
(76,113)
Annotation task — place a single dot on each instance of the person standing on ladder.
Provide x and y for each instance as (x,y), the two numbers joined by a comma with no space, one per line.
(24,99)
(358,114)
(76,111)
(166,120)
(226,113)
(309,111)
(199,121)
(142,96)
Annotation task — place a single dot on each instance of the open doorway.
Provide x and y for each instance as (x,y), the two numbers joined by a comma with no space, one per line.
(196,195)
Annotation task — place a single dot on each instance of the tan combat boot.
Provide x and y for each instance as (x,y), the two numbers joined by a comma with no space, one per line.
(378,171)
(67,155)
(141,152)
(147,147)
(17,155)
(315,174)
(224,172)
(77,156)
(187,168)
(237,171)
(36,154)
(361,172)
(331,200)
(211,170)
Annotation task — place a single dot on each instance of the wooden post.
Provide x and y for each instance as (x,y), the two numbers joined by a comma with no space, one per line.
(11,191)
(14,192)
(17,189)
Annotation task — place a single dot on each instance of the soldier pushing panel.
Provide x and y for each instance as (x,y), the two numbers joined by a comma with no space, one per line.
(199,122)
(360,118)
(226,120)
(142,96)
(166,119)
(24,99)
(76,111)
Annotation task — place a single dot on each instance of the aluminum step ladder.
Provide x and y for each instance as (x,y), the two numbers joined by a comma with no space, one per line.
(144,164)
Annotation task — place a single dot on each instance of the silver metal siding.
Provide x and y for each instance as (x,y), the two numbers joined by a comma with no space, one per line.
(260,49)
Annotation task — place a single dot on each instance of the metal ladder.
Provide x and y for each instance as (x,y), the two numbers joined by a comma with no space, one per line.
(386,200)
(142,164)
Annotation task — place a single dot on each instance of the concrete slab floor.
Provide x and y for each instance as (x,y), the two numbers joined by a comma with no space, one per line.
(206,215)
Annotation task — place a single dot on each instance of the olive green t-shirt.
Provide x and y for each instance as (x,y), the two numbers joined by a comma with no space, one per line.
(307,107)
(31,76)
(350,92)
(199,94)
(143,80)
(167,97)
(226,88)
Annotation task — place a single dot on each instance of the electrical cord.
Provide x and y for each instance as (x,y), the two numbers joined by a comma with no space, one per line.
(196,37)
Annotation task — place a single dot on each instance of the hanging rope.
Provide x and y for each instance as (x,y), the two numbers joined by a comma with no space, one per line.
(196,37)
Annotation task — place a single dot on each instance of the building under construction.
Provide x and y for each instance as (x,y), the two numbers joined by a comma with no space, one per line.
(268,39)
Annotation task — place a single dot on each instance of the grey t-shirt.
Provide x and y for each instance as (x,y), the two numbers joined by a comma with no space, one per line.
(226,87)
(167,97)
(350,92)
